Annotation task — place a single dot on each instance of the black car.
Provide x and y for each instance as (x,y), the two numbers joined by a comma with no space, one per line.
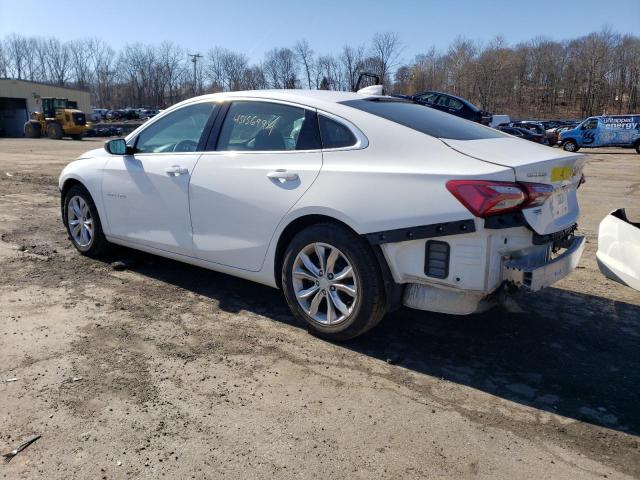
(454,105)
(523,133)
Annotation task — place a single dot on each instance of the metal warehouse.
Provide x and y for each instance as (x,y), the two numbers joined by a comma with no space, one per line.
(19,98)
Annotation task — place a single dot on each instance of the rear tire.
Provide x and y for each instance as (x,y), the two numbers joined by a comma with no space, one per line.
(334,305)
(54,131)
(32,130)
(570,146)
(81,218)
(638,147)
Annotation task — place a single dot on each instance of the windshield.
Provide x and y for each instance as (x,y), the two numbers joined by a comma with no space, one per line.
(425,119)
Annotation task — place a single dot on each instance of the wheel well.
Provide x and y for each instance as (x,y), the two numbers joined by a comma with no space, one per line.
(66,186)
(291,231)
(393,290)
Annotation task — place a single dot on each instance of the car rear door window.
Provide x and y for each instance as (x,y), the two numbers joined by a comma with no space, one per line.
(335,134)
(424,119)
(267,126)
(179,131)
(455,104)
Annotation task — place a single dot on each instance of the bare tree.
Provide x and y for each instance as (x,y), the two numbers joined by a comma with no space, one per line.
(254,78)
(4,62)
(352,61)
(81,62)
(16,46)
(58,61)
(385,49)
(280,68)
(327,73)
(104,73)
(304,54)
(173,69)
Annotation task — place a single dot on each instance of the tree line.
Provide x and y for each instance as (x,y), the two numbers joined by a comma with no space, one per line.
(593,74)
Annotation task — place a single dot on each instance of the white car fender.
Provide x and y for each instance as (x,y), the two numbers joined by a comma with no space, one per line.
(88,171)
(619,249)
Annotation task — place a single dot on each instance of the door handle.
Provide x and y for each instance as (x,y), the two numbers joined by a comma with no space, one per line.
(283,175)
(175,170)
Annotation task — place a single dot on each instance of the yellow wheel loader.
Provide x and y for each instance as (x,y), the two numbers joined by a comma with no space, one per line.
(59,118)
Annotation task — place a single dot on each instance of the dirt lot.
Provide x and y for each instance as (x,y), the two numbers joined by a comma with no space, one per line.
(169,371)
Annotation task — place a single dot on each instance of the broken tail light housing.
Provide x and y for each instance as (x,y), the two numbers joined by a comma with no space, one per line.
(537,193)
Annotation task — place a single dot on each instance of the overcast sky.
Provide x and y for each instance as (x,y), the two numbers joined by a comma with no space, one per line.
(255,26)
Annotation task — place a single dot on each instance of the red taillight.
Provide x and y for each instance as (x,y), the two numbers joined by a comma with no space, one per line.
(484,198)
(537,193)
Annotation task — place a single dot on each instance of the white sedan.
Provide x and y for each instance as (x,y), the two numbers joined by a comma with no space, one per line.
(353,204)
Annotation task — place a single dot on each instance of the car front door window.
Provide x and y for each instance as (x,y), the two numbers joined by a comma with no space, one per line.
(455,104)
(180,131)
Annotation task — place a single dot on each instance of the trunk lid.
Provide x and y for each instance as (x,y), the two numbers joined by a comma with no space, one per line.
(536,164)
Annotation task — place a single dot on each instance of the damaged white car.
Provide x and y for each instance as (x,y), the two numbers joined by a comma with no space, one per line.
(351,203)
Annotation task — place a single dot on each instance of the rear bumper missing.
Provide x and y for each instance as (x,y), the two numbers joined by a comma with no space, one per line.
(534,273)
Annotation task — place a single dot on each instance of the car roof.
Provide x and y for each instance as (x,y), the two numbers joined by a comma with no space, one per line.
(312,98)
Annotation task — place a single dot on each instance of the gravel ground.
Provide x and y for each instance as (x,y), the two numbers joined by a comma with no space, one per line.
(167,370)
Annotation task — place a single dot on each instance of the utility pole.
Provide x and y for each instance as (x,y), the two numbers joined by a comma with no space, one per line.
(194,59)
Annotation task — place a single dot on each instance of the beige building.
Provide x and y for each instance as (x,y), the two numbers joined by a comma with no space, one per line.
(19,98)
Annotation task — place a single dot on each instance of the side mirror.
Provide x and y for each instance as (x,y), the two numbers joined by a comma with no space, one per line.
(117,146)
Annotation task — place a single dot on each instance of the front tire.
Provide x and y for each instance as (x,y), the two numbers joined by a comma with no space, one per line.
(332,282)
(570,146)
(81,218)
(54,131)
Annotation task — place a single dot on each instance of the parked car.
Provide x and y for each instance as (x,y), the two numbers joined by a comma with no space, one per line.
(130,114)
(454,105)
(146,113)
(538,127)
(499,120)
(114,115)
(352,204)
(98,114)
(606,131)
(524,134)
(553,134)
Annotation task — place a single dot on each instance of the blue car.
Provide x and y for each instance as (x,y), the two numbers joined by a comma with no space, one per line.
(606,131)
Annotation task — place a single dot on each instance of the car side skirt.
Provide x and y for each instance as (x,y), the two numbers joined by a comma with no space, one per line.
(258,277)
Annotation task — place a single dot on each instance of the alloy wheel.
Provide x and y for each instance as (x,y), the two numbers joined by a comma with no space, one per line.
(324,283)
(80,221)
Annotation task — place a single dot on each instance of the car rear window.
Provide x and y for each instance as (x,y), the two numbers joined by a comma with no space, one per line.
(424,119)
(334,134)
